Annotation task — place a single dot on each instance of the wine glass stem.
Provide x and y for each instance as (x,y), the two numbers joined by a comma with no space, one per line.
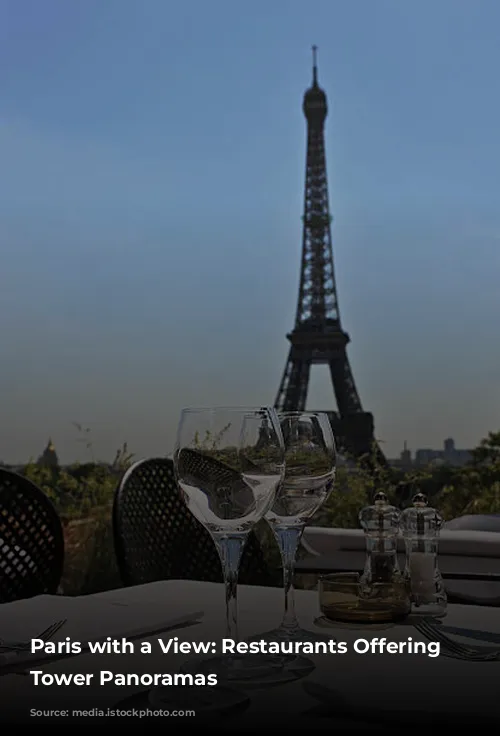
(230,548)
(288,539)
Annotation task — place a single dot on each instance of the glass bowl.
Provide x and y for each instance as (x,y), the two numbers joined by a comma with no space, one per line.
(344,598)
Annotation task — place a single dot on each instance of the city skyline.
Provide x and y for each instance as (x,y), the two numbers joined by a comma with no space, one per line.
(420,456)
(150,211)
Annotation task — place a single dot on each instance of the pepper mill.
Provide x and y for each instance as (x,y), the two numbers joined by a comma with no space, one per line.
(380,523)
(421,525)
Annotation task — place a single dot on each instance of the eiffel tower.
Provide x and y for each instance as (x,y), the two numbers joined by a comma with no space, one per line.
(318,337)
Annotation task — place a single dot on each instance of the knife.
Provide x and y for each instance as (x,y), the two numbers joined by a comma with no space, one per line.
(489,636)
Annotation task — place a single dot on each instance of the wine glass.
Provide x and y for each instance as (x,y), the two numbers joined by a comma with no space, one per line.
(229,464)
(310,457)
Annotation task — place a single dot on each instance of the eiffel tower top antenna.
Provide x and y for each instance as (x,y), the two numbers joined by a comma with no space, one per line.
(315,65)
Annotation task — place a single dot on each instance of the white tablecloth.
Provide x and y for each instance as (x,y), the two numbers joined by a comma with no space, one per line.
(407,679)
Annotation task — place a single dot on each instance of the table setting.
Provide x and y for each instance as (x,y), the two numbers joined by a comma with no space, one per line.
(235,467)
(347,678)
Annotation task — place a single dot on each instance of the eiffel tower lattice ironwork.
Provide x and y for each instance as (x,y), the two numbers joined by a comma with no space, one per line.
(317,337)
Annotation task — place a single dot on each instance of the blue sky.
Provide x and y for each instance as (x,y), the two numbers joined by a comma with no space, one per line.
(150,199)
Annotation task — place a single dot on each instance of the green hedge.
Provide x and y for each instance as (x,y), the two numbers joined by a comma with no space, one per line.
(83,497)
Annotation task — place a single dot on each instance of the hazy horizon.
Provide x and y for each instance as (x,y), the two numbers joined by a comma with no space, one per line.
(150,213)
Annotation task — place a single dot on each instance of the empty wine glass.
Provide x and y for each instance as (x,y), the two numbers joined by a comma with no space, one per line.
(229,464)
(310,458)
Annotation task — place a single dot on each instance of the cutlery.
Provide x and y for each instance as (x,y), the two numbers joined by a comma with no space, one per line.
(21,646)
(25,660)
(453,648)
(177,623)
(487,636)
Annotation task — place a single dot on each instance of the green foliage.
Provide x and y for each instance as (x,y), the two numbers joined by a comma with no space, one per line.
(83,495)
(74,490)
(488,452)
(232,456)
(79,488)
(210,442)
(474,489)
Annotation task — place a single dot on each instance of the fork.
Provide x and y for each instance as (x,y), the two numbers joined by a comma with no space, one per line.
(454,648)
(23,646)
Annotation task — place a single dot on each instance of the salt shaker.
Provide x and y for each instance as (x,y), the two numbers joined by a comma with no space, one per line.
(420,525)
(380,523)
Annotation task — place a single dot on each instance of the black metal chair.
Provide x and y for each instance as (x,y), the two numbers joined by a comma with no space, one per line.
(31,540)
(156,537)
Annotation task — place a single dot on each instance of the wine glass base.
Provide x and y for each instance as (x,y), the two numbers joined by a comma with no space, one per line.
(326,623)
(251,670)
(299,664)
(205,701)
(297,633)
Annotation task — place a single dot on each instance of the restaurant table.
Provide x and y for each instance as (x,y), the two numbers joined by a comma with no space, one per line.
(402,681)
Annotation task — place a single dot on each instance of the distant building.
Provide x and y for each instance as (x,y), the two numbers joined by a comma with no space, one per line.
(49,458)
(404,461)
(449,455)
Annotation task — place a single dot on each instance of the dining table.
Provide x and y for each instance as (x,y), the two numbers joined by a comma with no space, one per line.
(394,684)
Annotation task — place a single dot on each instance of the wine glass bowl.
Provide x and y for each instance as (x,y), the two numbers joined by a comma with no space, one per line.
(227,473)
(310,458)
(229,464)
